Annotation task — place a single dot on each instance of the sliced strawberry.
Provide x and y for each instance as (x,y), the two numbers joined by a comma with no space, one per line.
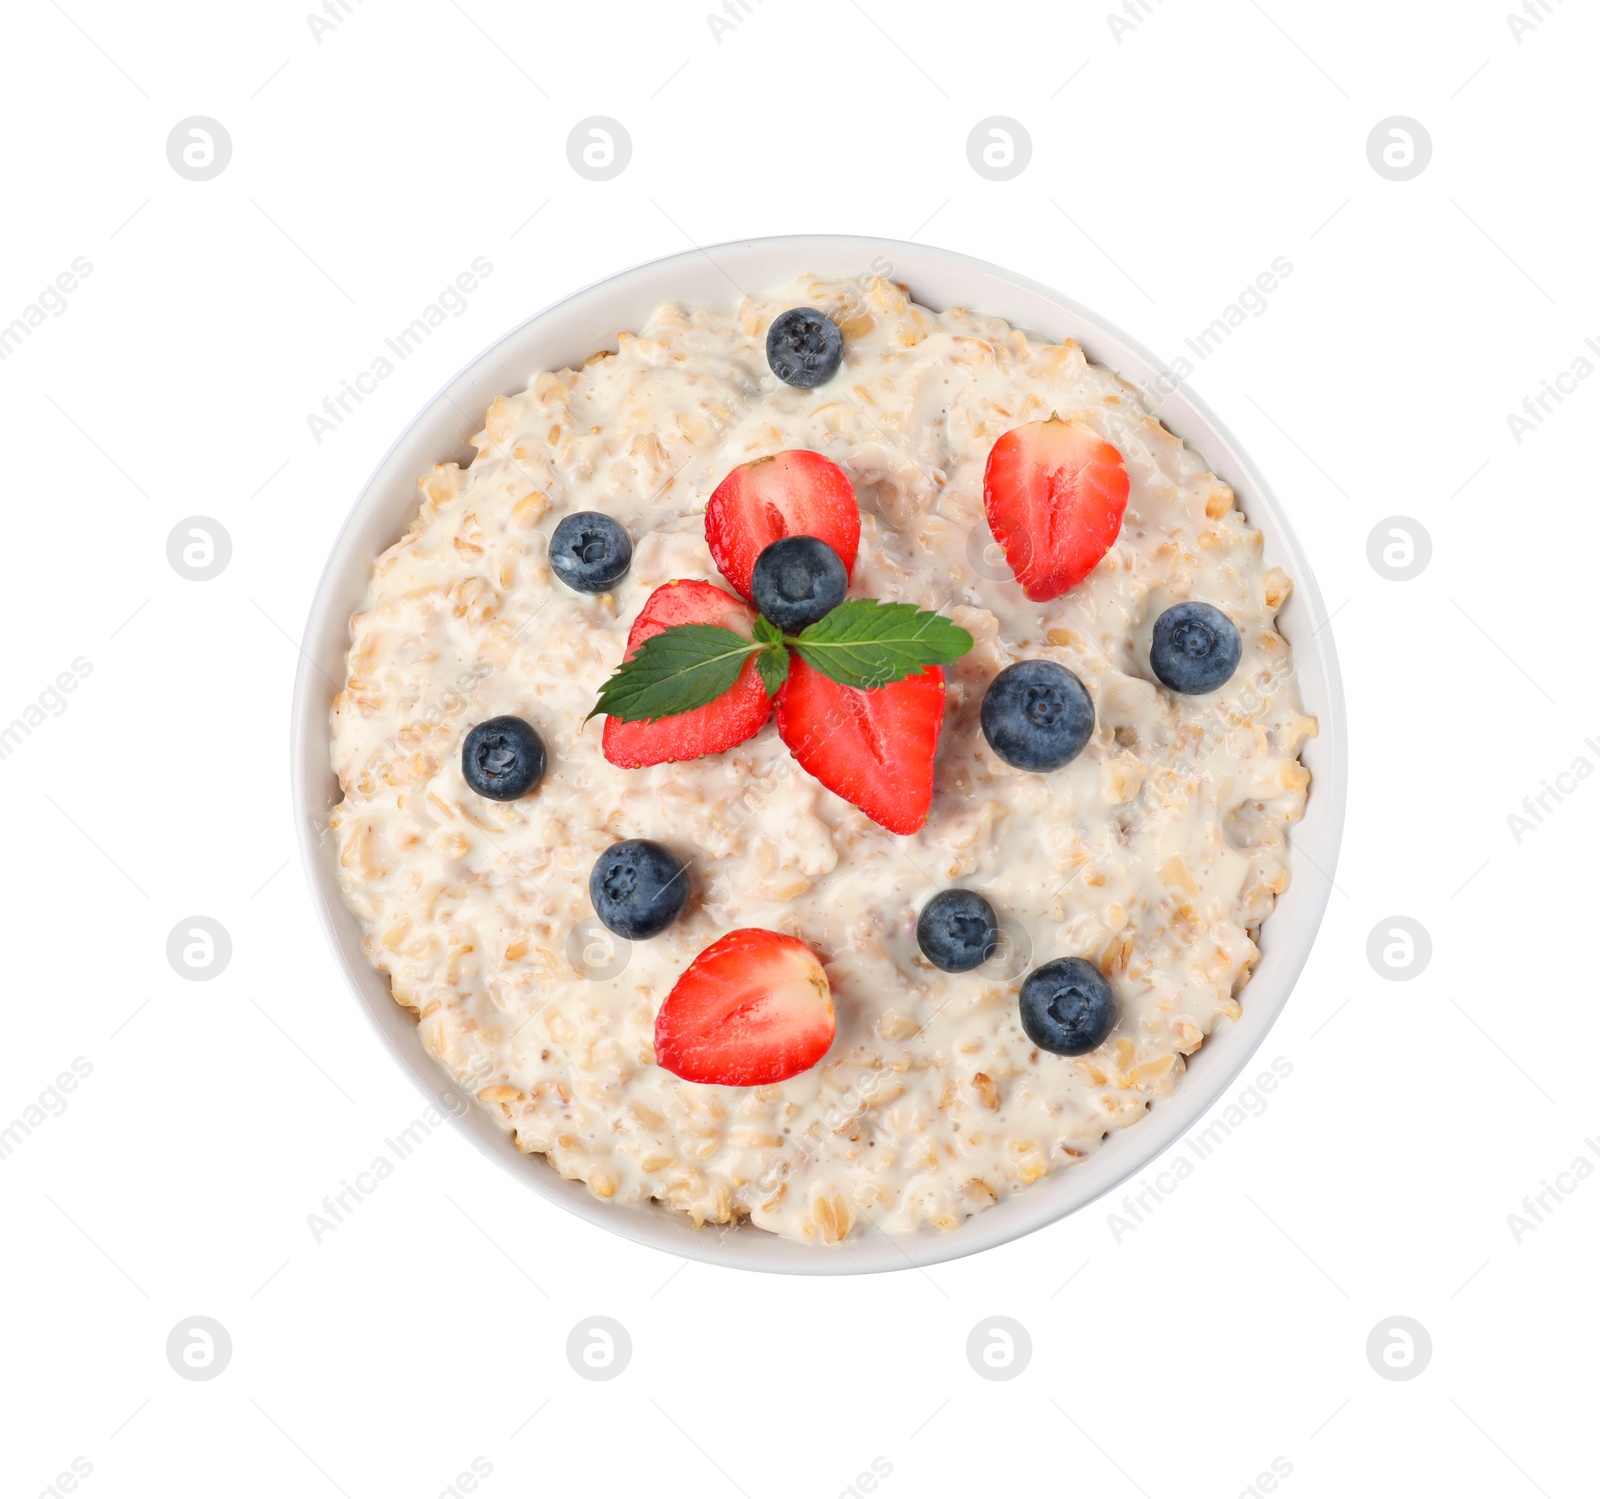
(720,724)
(753,1008)
(875,749)
(1054,492)
(795,493)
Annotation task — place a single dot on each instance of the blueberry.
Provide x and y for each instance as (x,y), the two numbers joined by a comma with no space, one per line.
(590,552)
(1067,1007)
(1194,648)
(796,580)
(804,347)
(638,888)
(957,930)
(1037,715)
(502,758)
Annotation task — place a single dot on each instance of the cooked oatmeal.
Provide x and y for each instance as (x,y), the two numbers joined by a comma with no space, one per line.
(1157,853)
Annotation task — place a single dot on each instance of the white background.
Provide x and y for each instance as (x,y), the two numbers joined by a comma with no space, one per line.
(1169,167)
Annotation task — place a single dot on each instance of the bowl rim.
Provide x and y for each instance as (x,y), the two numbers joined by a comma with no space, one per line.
(443,426)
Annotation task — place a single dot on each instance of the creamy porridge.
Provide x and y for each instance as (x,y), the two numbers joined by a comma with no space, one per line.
(1156,853)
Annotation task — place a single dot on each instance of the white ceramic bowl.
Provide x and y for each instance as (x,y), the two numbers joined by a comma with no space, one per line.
(566,335)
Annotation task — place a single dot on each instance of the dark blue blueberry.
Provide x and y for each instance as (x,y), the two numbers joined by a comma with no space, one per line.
(1037,715)
(796,580)
(957,930)
(804,347)
(1194,648)
(502,758)
(638,888)
(1067,1007)
(590,552)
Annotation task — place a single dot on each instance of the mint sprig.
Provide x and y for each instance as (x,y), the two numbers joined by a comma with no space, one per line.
(863,643)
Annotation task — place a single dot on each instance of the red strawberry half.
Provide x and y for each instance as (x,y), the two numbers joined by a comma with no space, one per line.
(795,493)
(875,749)
(721,723)
(1054,492)
(753,1008)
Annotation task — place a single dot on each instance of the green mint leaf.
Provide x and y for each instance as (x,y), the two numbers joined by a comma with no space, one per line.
(681,669)
(773,664)
(867,644)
